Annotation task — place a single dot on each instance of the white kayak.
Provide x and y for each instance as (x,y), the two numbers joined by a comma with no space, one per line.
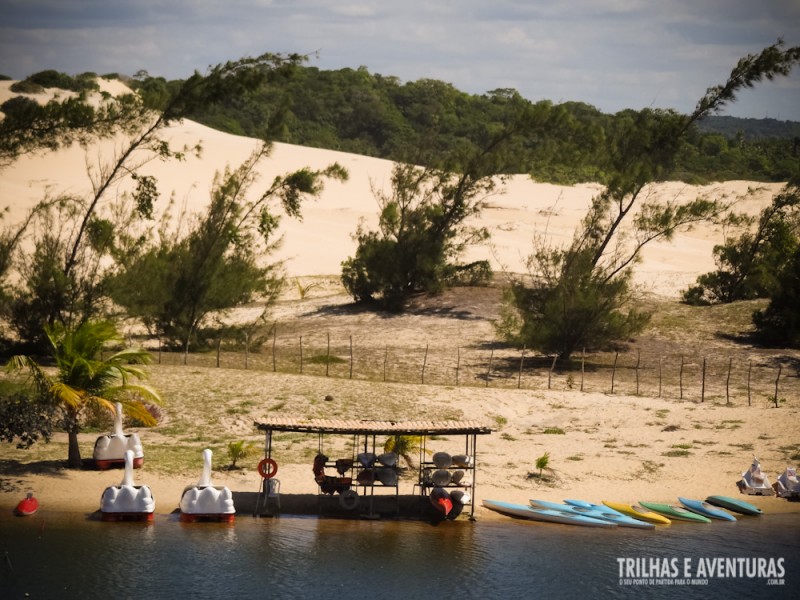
(543,514)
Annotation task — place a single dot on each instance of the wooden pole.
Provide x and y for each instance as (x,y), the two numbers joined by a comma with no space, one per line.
(550,372)
(489,369)
(458,363)
(328,355)
(638,362)
(519,376)
(424,363)
(680,378)
(219,345)
(158,341)
(703,382)
(583,366)
(728,382)
(351,357)
(749,372)
(614,371)
(246,350)
(385,360)
(660,372)
(274,340)
(777,381)
(301,354)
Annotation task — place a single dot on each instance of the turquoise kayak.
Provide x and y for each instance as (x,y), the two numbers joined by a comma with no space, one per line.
(595,511)
(706,509)
(675,512)
(543,514)
(734,504)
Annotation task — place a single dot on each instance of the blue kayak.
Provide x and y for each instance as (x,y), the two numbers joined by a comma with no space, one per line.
(595,511)
(706,509)
(543,514)
(734,504)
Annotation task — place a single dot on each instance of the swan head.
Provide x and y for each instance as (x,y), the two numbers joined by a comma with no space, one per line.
(205,478)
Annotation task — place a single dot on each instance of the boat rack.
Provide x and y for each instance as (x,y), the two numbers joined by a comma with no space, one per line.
(365,436)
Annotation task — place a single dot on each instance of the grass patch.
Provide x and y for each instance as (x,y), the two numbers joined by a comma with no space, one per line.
(682,446)
(747,447)
(575,458)
(508,437)
(676,453)
(553,431)
(500,421)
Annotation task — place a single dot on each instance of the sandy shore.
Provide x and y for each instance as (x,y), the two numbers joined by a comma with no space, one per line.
(614,448)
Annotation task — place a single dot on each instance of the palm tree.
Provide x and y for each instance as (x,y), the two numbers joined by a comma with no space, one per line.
(405,446)
(85,378)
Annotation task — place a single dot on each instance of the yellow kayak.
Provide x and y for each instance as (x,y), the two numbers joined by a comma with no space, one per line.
(637,512)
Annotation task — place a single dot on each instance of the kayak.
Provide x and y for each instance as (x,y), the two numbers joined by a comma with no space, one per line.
(734,504)
(543,514)
(638,512)
(604,512)
(705,509)
(27,506)
(597,512)
(675,512)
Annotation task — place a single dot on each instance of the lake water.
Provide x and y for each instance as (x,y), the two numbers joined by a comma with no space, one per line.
(62,556)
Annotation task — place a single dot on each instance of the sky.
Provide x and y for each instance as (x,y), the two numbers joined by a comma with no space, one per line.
(612,54)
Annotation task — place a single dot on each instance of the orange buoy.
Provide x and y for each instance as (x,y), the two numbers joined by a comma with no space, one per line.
(267,468)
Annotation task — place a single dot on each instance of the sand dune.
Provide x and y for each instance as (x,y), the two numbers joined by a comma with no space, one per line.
(610,440)
(520,211)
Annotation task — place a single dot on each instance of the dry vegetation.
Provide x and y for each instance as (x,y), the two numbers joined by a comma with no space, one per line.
(210,406)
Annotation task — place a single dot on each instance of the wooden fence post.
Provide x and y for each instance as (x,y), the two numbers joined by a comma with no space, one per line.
(614,371)
(158,341)
(680,378)
(351,357)
(583,365)
(246,350)
(703,382)
(728,382)
(660,372)
(301,354)
(219,346)
(385,360)
(328,356)
(749,372)
(638,362)
(424,363)
(274,341)
(489,368)
(519,375)
(777,381)
(458,363)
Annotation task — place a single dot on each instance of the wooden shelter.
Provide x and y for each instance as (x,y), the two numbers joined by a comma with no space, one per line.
(356,473)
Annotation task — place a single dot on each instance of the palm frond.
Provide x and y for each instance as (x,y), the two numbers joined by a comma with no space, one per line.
(68,395)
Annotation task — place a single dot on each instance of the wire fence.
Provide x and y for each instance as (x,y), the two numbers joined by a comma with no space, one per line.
(713,376)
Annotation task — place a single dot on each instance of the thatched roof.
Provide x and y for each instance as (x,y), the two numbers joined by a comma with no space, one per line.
(353,426)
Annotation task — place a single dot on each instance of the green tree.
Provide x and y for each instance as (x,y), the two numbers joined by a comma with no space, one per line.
(642,147)
(174,284)
(748,266)
(423,224)
(84,377)
(93,223)
(421,235)
(779,323)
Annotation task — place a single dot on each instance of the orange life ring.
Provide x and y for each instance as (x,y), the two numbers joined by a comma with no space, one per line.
(267,468)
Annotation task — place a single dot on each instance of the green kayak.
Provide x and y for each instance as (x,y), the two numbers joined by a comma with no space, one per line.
(675,512)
